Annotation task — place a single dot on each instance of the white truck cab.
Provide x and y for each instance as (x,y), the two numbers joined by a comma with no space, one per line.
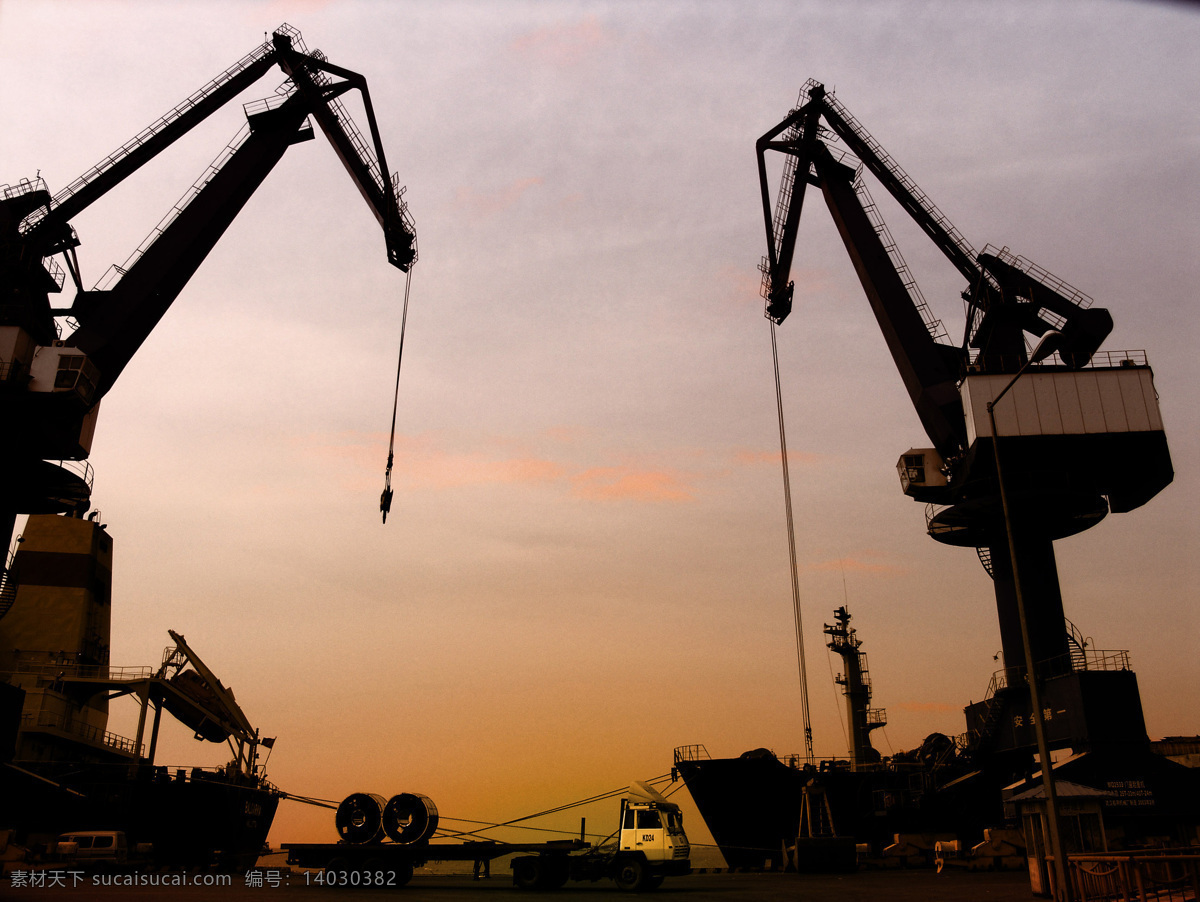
(652,836)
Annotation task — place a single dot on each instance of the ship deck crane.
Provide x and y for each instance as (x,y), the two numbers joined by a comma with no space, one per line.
(1081,434)
(50,384)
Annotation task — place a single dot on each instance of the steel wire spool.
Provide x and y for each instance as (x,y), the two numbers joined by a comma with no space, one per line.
(410,818)
(359,818)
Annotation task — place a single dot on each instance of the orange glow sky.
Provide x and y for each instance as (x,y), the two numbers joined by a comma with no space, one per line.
(586,561)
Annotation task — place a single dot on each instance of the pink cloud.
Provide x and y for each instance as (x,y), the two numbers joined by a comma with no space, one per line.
(360,459)
(450,470)
(363,456)
(740,284)
(566,435)
(483,204)
(859,566)
(627,484)
(756,458)
(812,283)
(566,44)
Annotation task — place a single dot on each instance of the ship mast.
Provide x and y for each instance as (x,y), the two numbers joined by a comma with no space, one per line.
(856,686)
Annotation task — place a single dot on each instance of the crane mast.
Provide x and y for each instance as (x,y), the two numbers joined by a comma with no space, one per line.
(51,381)
(1080,434)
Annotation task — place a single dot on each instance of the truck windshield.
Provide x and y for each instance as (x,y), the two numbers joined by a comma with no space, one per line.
(674,823)
(648,819)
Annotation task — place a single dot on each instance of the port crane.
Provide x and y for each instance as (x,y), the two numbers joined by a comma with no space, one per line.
(1080,432)
(51,380)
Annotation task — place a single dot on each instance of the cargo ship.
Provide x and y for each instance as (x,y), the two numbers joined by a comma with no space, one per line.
(62,770)
(757,805)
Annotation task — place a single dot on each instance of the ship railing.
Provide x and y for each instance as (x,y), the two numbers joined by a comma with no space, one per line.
(168,773)
(1169,875)
(691,753)
(95,735)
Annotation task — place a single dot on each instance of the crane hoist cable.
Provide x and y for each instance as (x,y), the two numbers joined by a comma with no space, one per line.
(791,533)
(385,500)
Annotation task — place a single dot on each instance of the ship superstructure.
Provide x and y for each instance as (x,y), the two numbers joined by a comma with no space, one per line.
(861,718)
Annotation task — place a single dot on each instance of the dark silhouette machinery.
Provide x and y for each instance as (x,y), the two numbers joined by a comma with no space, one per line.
(1079,433)
(56,364)
(51,382)
(861,718)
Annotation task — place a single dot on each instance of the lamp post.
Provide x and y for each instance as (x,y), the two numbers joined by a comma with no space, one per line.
(1062,890)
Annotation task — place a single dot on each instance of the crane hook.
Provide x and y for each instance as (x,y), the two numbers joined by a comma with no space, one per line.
(385,500)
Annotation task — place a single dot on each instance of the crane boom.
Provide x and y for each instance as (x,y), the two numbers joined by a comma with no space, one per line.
(143,147)
(50,385)
(114,323)
(1076,443)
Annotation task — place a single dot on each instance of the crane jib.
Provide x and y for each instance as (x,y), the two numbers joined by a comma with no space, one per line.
(63,377)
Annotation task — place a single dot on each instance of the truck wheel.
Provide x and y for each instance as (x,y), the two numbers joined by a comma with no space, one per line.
(373,869)
(630,876)
(337,872)
(555,872)
(527,873)
(404,872)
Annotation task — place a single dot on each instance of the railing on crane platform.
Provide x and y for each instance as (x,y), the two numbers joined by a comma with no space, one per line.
(256,55)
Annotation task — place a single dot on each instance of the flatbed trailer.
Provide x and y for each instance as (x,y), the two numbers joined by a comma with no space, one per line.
(651,845)
(392,864)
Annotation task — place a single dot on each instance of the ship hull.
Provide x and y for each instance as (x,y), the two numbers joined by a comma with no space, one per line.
(753,804)
(188,818)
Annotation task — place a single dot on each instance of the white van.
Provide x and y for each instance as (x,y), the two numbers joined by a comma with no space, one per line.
(107,846)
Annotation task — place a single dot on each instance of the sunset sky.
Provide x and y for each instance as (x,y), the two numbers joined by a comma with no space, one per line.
(586,561)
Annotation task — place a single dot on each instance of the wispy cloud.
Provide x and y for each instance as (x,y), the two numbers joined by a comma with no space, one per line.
(750,458)
(566,435)
(451,470)
(858,565)
(483,204)
(421,462)
(564,44)
(740,284)
(812,283)
(628,484)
